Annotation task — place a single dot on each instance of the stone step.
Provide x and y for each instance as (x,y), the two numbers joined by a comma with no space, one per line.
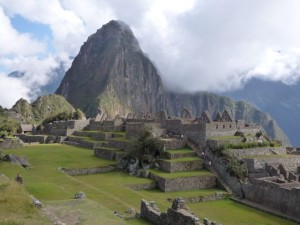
(178,153)
(183,181)
(181,164)
(85,142)
(106,152)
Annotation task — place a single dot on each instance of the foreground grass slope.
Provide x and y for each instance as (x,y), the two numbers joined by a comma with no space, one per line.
(109,192)
(16,207)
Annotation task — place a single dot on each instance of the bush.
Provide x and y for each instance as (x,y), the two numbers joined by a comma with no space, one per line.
(236,168)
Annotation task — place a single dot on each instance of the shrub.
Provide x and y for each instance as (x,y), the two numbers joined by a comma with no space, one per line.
(236,168)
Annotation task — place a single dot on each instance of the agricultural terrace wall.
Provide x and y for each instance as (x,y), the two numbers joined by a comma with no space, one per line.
(32,138)
(258,151)
(173,167)
(291,163)
(184,183)
(124,145)
(87,171)
(277,196)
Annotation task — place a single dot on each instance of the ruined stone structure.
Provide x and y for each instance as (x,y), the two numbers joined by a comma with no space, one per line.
(65,128)
(178,214)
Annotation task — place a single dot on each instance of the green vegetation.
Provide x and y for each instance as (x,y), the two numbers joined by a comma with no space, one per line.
(16,207)
(184,159)
(8,125)
(180,151)
(146,148)
(109,191)
(229,212)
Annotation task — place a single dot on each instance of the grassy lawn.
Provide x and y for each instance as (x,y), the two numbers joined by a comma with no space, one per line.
(232,213)
(193,173)
(107,192)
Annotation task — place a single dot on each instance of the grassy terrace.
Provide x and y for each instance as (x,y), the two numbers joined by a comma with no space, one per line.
(124,139)
(184,159)
(107,192)
(88,139)
(180,151)
(111,149)
(193,173)
(224,138)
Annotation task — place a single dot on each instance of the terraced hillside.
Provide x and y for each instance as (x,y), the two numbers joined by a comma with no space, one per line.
(110,192)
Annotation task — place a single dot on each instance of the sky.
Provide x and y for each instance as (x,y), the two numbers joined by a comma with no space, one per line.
(214,45)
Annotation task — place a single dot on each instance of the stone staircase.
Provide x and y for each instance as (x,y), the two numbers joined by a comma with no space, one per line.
(181,170)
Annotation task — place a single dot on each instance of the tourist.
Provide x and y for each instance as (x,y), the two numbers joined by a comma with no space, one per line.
(19,179)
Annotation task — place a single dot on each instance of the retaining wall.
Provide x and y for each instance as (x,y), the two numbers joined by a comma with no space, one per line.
(173,167)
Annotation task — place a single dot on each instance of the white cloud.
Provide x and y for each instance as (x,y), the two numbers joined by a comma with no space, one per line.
(13,42)
(11,90)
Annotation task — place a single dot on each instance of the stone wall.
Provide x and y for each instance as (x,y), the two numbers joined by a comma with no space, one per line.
(174,143)
(124,145)
(258,151)
(184,183)
(221,169)
(134,129)
(258,164)
(138,187)
(105,153)
(172,126)
(173,167)
(178,214)
(32,138)
(87,171)
(195,132)
(278,196)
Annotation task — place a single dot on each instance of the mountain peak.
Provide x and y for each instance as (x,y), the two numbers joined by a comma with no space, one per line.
(111,71)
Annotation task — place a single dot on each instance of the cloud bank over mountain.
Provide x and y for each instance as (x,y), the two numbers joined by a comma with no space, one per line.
(196,44)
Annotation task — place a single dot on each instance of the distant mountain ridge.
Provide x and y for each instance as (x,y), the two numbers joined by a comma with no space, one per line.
(280,100)
(112,73)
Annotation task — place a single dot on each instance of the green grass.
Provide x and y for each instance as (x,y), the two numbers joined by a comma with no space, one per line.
(232,213)
(180,151)
(181,174)
(16,207)
(183,159)
(109,191)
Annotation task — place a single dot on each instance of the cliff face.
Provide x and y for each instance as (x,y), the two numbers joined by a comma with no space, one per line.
(112,73)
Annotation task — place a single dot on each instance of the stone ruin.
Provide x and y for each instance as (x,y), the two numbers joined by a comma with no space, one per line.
(178,214)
